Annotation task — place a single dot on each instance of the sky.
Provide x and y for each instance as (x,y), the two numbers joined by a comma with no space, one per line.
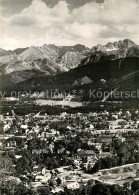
(25,23)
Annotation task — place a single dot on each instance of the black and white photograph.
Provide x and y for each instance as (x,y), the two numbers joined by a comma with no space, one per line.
(69,97)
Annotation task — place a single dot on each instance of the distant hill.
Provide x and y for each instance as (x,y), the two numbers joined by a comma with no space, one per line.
(122,73)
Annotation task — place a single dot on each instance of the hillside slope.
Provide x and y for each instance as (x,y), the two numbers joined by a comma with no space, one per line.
(109,71)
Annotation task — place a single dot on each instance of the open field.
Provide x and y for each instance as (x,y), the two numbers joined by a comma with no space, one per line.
(55,103)
(118,175)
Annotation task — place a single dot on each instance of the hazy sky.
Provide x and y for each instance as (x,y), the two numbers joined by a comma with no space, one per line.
(67,22)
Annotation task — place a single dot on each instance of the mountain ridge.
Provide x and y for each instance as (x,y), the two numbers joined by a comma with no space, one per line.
(54,56)
(52,60)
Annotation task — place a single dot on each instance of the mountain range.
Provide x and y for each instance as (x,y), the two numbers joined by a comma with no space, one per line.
(112,51)
(50,59)
(60,66)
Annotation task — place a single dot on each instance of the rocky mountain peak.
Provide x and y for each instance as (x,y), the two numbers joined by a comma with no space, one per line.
(97,48)
(122,44)
(80,48)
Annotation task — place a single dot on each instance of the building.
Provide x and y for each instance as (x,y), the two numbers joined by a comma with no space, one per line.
(89,154)
(73,185)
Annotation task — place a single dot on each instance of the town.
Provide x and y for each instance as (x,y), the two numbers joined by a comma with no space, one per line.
(54,153)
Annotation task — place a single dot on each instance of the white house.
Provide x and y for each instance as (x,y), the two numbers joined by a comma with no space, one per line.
(73,185)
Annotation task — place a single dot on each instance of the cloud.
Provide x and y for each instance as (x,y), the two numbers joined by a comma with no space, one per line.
(41,15)
(114,12)
(22,21)
(11,7)
(90,24)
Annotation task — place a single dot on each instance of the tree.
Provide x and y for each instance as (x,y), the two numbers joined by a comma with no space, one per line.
(58,181)
(135,186)
(44,191)
(11,187)
(100,189)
